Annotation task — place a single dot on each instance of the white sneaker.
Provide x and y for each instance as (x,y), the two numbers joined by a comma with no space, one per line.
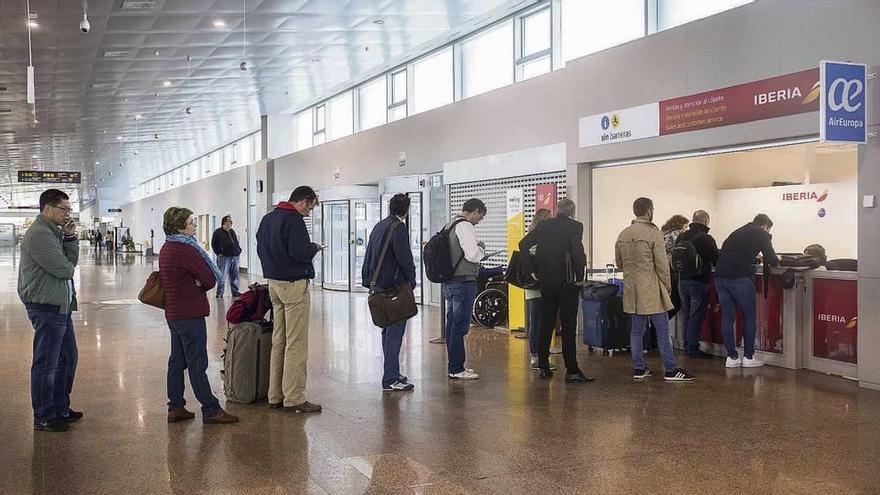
(734,363)
(751,363)
(533,362)
(464,375)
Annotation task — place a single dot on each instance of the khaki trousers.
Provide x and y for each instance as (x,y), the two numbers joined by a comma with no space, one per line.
(290,341)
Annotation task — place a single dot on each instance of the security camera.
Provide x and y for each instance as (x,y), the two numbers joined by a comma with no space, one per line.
(84,25)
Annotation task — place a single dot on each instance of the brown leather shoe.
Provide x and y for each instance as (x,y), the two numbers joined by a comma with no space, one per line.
(305,407)
(221,417)
(179,414)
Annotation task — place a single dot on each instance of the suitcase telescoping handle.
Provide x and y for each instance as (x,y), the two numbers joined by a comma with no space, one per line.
(609,271)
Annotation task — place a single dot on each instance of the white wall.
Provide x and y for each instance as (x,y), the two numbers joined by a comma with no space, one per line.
(221,194)
(685,185)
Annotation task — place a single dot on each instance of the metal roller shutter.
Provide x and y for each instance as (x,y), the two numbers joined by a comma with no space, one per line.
(493,229)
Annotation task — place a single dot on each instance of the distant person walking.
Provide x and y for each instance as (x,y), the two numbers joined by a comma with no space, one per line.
(225,244)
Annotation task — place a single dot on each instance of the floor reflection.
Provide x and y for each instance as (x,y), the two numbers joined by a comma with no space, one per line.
(766,430)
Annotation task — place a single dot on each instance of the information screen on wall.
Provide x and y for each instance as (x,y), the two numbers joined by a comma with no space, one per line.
(45,176)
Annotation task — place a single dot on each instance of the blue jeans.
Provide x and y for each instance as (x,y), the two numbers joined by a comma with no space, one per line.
(733,292)
(54,364)
(533,326)
(460,297)
(189,340)
(694,302)
(661,325)
(392,339)
(227,265)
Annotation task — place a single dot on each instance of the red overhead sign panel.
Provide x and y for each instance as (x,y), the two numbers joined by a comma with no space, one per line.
(775,97)
(545,197)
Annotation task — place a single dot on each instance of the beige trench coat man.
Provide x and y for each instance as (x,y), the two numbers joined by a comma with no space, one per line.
(640,252)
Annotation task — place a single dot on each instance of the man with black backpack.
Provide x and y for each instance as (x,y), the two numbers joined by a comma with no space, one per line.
(460,291)
(693,256)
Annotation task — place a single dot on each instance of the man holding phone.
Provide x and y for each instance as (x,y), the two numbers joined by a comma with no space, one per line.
(286,252)
(49,255)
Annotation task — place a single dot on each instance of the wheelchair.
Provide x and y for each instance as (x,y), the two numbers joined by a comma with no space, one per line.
(490,306)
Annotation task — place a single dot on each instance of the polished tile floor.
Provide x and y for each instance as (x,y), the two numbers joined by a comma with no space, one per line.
(743,431)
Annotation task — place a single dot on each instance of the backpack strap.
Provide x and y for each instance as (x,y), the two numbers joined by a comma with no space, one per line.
(385,244)
(451,228)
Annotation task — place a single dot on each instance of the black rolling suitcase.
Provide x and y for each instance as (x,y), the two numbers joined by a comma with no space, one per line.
(606,326)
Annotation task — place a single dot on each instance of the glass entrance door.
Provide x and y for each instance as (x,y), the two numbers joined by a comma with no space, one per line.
(317,236)
(337,250)
(366,216)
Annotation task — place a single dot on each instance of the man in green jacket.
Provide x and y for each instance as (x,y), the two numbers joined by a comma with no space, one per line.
(49,254)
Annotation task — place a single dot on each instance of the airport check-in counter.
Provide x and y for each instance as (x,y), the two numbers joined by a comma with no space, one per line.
(812,324)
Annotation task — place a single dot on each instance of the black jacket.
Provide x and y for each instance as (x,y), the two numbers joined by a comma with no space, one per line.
(554,238)
(738,253)
(284,246)
(706,248)
(398,266)
(225,243)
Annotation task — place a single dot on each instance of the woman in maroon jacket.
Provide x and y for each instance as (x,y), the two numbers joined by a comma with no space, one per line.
(187,274)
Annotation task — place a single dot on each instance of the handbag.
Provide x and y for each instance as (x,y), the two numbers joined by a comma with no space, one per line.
(395,305)
(516,273)
(153,293)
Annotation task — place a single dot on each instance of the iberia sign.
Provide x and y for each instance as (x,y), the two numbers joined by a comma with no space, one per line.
(779,96)
(775,97)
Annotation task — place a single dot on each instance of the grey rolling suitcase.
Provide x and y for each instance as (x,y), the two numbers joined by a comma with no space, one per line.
(246,361)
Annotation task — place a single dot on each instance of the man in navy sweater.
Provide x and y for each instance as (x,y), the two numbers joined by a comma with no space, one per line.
(286,252)
(735,283)
(397,267)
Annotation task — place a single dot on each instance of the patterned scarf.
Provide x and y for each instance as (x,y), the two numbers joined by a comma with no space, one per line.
(191,241)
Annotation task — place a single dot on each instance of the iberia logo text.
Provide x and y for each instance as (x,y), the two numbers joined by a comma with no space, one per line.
(805,196)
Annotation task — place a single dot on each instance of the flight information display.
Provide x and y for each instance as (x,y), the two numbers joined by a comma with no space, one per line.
(47,176)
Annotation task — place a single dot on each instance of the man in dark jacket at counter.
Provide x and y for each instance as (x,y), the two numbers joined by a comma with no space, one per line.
(735,283)
(286,252)
(49,255)
(698,253)
(224,242)
(397,267)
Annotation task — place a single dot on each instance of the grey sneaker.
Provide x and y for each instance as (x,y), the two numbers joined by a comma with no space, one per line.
(398,386)
(641,374)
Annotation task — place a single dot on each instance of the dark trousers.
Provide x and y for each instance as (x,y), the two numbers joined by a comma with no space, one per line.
(54,361)
(189,340)
(460,297)
(561,302)
(694,302)
(533,326)
(392,339)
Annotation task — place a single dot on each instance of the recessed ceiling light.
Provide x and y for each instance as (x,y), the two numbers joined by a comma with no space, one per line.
(219,23)
(33,156)
(33,24)
(379,22)
(166,83)
(119,138)
(156,53)
(97,163)
(137,117)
